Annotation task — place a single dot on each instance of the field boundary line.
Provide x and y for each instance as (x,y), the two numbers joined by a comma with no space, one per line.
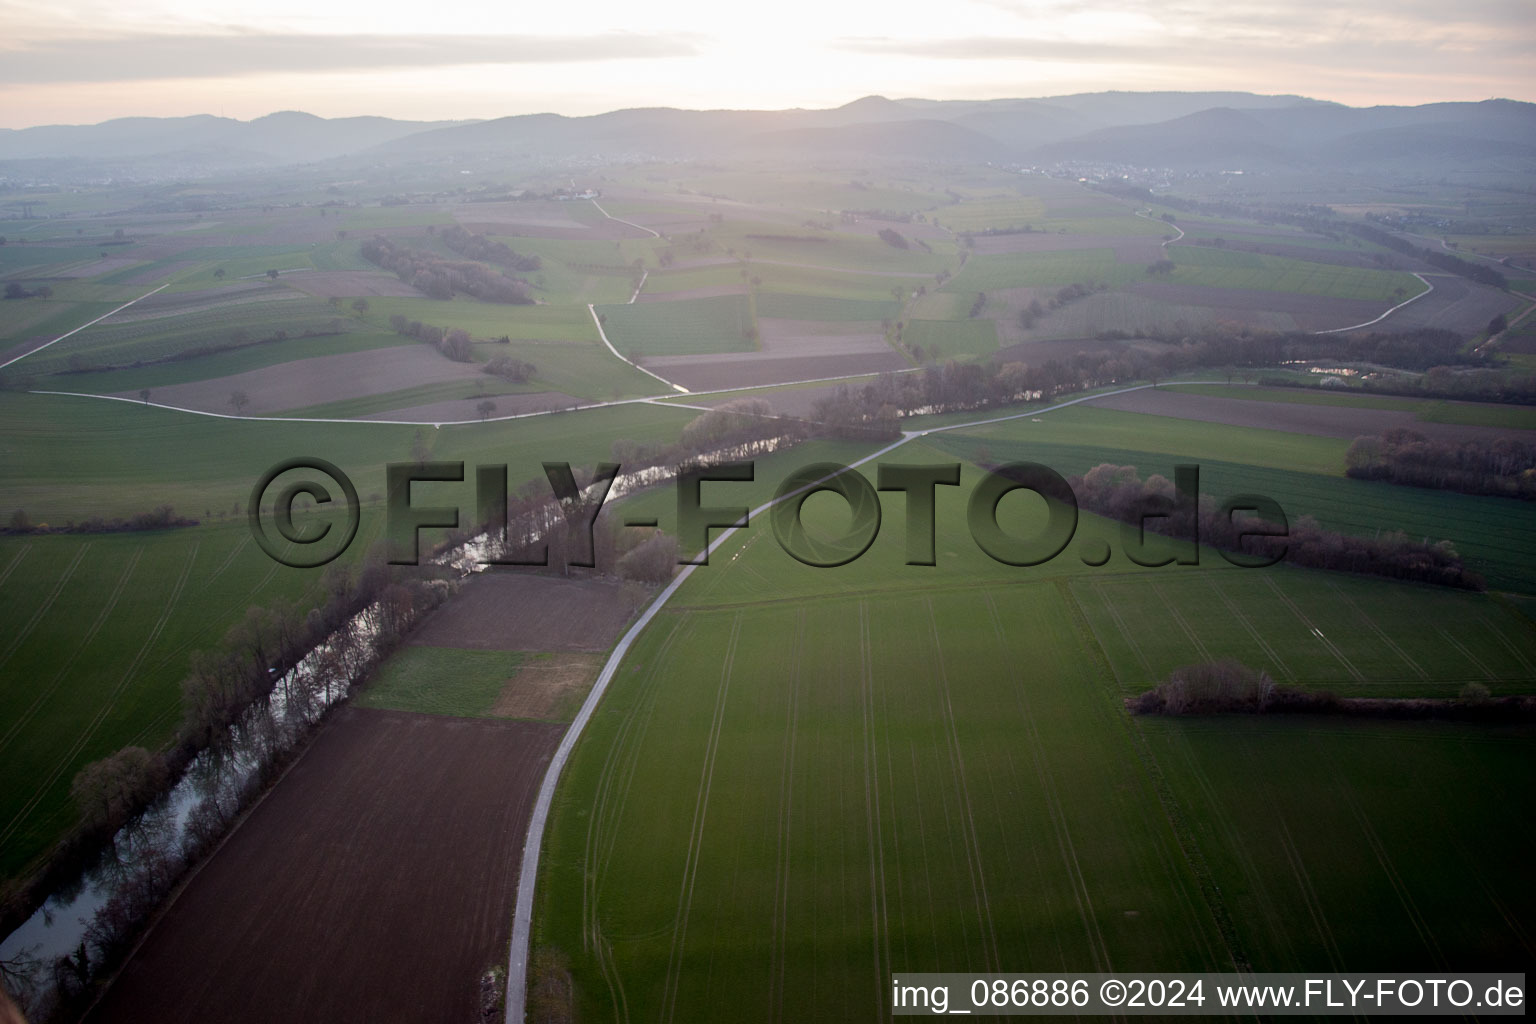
(77,330)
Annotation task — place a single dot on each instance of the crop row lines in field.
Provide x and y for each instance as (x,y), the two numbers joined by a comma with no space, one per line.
(674,977)
(778,967)
(89,732)
(43,607)
(78,647)
(968,834)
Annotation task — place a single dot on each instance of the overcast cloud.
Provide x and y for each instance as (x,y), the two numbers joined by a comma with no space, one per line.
(88,60)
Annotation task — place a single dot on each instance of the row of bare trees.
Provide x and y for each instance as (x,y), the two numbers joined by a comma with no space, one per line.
(1118,492)
(1504,466)
(479,247)
(442,279)
(244,713)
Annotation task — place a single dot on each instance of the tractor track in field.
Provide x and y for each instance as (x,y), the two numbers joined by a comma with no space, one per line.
(968,832)
(79,648)
(1284,670)
(783,862)
(1067,850)
(20,636)
(696,833)
(874,827)
(89,732)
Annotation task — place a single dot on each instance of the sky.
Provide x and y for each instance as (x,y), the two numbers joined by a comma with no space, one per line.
(83,61)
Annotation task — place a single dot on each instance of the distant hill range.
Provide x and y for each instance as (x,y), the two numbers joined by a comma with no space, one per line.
(1190,131)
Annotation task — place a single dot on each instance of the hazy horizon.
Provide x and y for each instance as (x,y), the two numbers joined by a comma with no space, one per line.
(91,61)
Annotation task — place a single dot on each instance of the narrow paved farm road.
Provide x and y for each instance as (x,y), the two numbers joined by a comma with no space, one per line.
(1428,287)
(598,321)
(621,220)
(82,327)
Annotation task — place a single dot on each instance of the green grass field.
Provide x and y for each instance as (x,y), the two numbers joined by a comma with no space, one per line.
(1302,472)
(685,327)
(1218,268)
(163,338)
(838,774)
(948,339)
(72,458)
(440,681)
(105,626)
(221,364)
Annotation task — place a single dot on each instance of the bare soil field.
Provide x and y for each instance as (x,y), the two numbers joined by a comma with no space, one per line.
(748,369)
(545,688)
(527,611)
(1291,417)
(305,382)
(346,284)
(465,408)
(820,338)
(692,293)
(1312,312)
(1456,304)
(374,883)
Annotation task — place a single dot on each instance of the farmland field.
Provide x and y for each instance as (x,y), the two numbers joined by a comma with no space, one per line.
(839,774)
(685,327)
(797,781)
(462,784)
